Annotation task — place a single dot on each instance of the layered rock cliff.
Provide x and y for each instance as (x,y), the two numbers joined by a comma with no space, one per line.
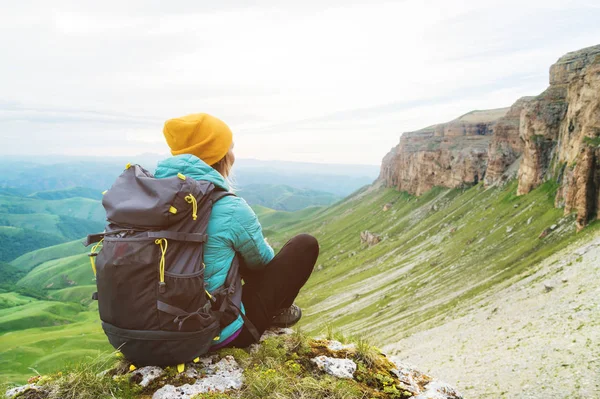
(555,135)
(450,154)
(561,133)
(506,145)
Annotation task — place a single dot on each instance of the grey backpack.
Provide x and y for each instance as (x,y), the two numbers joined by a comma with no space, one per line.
(149,266)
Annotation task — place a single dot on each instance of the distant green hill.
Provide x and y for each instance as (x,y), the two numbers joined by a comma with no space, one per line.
(285,198)
(9,275)
(73,192)
(81,208)
(37,314)
(17,241)
(32,259)
(30,223)
(59,273)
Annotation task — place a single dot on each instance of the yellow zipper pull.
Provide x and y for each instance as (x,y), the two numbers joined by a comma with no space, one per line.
(162,286)
(190,199)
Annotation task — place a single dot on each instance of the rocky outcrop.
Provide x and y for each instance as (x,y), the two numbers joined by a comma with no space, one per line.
(452,154)
(561,133)
(366,237)
(506,145)
(285,364)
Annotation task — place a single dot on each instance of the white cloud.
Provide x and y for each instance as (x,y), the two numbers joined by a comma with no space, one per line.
(331,80)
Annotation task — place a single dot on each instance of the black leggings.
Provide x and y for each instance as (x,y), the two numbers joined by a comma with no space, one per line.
(275,287)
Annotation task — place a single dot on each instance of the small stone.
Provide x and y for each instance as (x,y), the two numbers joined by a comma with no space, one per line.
(548,287)
(274,332)
(439,390)
(333,345)
(103,373)
(515,206)
(553,227)
(319,267)
(529,220)
(22,389)
(340,368)
(564,280)
(366,237)
(220,377)
(145,375)
(191,372)
(509,229)
(409,377)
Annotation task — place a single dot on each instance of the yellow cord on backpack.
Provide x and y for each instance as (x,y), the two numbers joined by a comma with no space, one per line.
(93,254)
(163,249)
(192,200)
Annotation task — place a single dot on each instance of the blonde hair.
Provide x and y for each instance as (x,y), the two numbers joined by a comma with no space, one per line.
(224,165)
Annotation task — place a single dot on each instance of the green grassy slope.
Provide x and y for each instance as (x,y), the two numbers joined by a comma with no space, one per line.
(285,198)
(440,253)
(9,275)
(12,299)
(37,314)
(59,273)
(273,220)
(47,349)
(27,224)
(65,227)
(34,258)
(17,241)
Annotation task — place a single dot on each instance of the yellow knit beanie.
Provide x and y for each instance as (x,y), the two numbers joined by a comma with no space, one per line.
(202,135)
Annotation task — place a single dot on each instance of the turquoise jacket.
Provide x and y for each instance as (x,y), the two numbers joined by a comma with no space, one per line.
(232,227)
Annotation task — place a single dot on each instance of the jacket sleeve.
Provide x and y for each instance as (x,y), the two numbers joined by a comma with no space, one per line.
(248,239)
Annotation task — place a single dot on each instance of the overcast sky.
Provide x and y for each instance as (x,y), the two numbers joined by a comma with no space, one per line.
(333,81)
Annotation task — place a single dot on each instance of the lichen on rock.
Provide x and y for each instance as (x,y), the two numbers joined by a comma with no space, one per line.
(220,377)
(340,368)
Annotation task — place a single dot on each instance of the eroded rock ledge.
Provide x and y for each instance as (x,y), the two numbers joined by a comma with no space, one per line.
(286,364)
(451,154)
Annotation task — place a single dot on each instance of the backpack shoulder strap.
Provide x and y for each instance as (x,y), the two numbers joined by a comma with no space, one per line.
(217,194)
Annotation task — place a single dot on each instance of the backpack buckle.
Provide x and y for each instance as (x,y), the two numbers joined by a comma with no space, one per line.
(162,287)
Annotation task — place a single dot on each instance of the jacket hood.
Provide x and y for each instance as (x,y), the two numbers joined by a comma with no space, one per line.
(192,166)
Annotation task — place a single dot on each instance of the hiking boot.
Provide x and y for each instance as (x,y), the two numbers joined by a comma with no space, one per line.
(288,317)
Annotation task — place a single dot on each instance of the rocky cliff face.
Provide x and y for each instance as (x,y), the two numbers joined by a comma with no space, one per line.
(451,154)
(561,133)
(555,135)
(506,145)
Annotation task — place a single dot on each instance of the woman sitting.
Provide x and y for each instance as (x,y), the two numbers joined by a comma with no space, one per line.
(202,146)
